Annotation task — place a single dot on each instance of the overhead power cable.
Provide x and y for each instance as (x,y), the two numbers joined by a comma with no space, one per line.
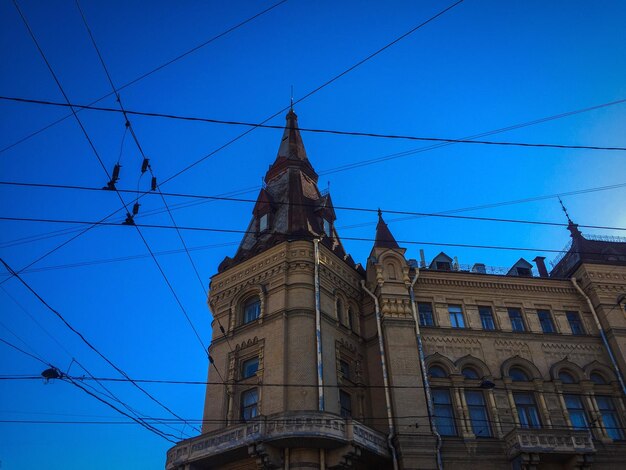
(322,131)
(150,72)
(84,340)
(311,237)
(344,208)
(147,166)
(112,179)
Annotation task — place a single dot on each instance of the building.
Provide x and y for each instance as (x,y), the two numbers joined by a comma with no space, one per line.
(400,364)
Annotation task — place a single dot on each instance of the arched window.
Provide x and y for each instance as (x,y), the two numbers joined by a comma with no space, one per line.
(566,377)
(518,375)
(597,379)
(340,311)
(470,373)
(251,309)
(437,372)
(391,271)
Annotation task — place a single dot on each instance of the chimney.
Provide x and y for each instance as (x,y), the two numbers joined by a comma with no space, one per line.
(422,259)
(541,266)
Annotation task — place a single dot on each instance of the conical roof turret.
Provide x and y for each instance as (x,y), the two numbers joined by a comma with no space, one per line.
(384,238)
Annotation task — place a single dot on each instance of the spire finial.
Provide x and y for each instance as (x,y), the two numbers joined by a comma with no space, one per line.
(380,213)
(565,210)
(291,102)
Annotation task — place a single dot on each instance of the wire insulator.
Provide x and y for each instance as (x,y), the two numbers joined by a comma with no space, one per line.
(211,360)
(136,208)
(129,220)
(144,165)
(153,185)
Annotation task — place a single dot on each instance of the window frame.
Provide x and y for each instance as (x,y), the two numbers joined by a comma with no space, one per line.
(574,318)
(615,431)
(253,407)
(444,411)
(243,367)
(425,314)
(264,222)
(456,315)
(345,398)
(578,411)
(249,302)
(484,311)
(547,319)
(533,419)
(483,422)
(514,311)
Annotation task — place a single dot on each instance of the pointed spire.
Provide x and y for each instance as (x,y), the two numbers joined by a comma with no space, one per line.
(291,145)
(571,226)
(384,238)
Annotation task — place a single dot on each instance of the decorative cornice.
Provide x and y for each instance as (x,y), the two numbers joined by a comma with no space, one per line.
(490,283)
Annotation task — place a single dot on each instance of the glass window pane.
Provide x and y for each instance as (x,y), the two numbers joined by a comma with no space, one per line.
(456,316)
(470,373)
(566,377)
(486,318)
(576,411)
(527,410)
(426,314)
(609,418)
(597,379)
(437,372)
(545,319)
(518,375)
(249,367)
(575,323)
(517,323)
(251,310)
(249,402)
(444,416)
(478,413)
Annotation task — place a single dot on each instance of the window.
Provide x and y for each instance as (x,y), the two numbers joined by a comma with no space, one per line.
(426,314)
(249,404)
(609,418)
(344,367)
(456,316)
(249,367)
(545,319)
(350,319)
(518,375)
(526,272)
(443,266)
(576,411)
(486,318)
(437,372)
(345,404)
(517,322)
(575,323)
(264,222)
(597,378)
(527,410)
(566,377)
(478,413)
(327,227)
(251,310)
(340,311)
(470,373)
(444,416)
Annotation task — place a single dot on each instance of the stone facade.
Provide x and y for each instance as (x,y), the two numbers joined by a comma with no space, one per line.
(514,371)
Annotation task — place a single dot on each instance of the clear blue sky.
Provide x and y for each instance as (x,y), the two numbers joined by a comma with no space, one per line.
(482,66)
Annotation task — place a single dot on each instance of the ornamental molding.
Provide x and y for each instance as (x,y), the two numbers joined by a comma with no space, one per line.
(496,284)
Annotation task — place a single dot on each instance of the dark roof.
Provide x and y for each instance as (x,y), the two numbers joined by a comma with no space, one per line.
(384,238)
(589,250)
(293,202)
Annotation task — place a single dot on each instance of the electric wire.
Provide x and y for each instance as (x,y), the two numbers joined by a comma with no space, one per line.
(262,125)
(304,204)
(112,182)
(37,358)
(130,127)
(84,340)
(311,237)
(150,72)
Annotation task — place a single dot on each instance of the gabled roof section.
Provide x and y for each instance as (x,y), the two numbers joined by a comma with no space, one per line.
(384,238)
(521,268)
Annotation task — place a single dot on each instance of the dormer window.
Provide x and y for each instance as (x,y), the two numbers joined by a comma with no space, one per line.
(443,266)
(525,272)
(327,227)
(264,222)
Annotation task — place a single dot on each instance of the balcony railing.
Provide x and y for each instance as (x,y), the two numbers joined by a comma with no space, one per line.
(548,441)
(312,426)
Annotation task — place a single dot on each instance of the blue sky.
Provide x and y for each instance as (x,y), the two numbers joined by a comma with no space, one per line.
(484,65)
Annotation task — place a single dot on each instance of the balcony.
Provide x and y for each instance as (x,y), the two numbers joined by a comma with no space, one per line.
(554,442)
(289,429)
